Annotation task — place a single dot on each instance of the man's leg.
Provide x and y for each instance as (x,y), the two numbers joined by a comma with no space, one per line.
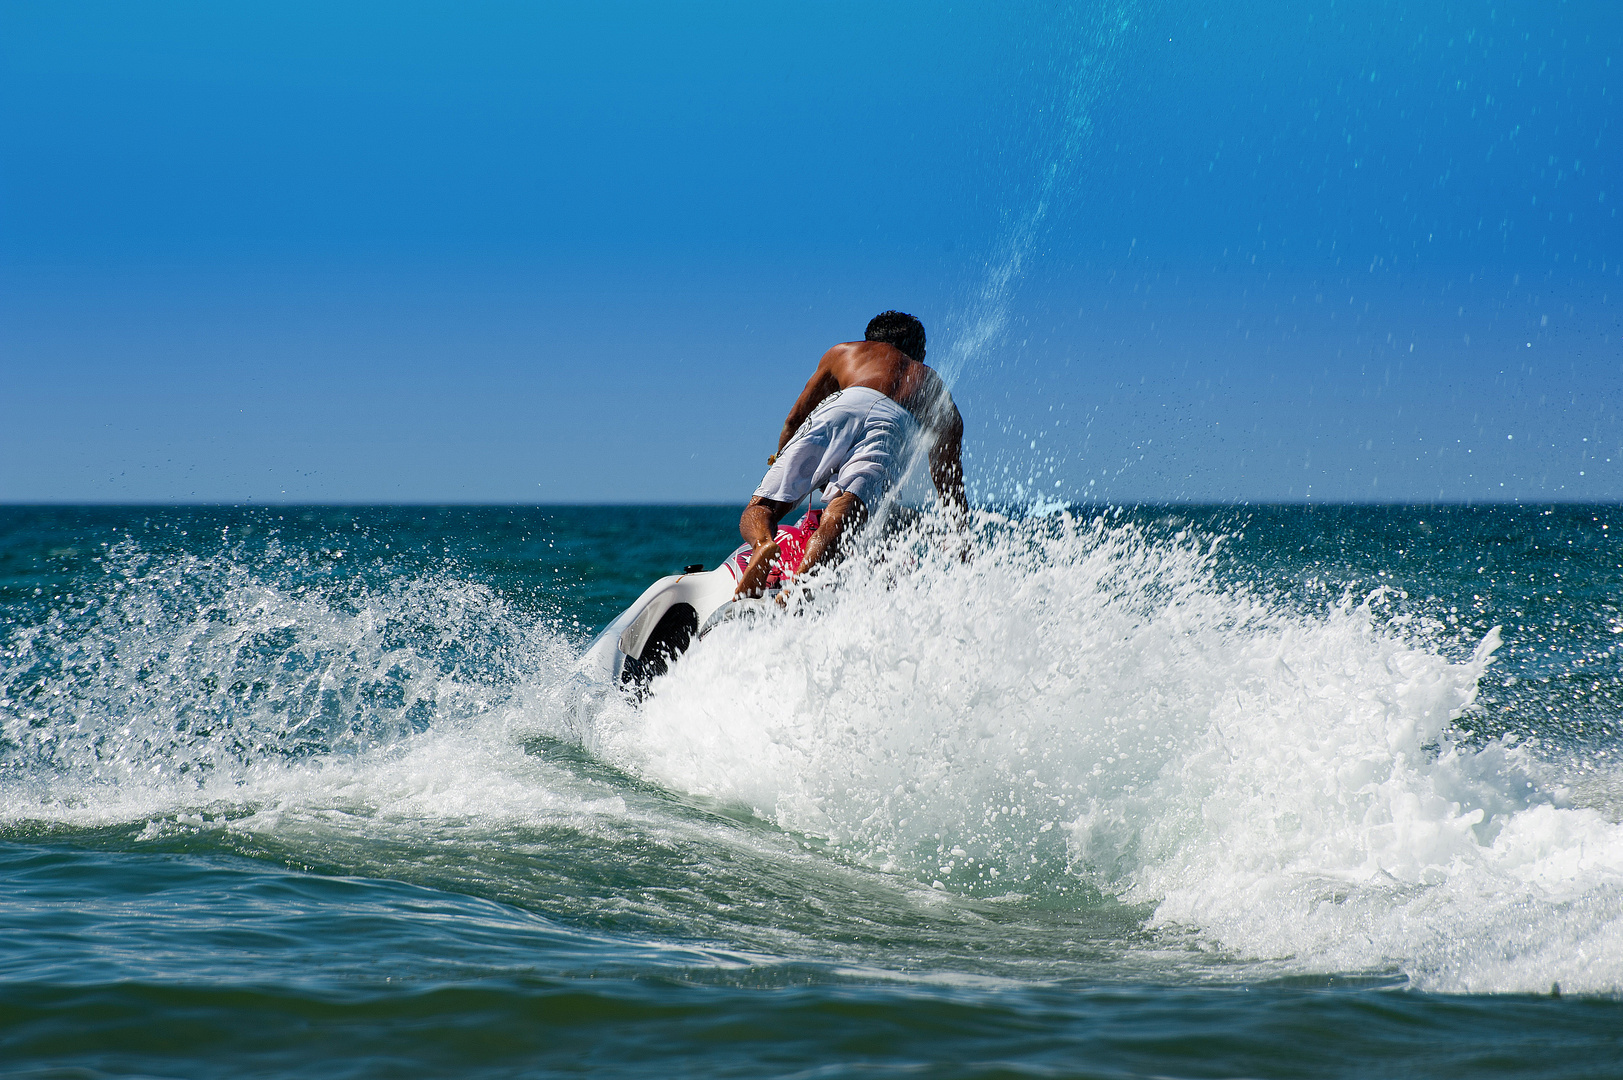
(845,514)
(758,526)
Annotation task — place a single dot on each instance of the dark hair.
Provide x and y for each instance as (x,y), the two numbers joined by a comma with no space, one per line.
(899,329)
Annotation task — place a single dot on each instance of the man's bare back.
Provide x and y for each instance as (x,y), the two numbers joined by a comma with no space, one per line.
(889,370)
(881,367)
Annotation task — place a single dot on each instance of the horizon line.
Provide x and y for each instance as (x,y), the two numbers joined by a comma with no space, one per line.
(1066,504)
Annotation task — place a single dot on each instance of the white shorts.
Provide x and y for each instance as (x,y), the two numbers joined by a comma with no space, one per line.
(853,441)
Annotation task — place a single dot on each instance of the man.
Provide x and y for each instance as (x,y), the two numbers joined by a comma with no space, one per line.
(848,433)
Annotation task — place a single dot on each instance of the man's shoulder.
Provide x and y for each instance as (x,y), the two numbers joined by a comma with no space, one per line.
(929,399)
(843,353)
(856,361)
(858,348)
(934,385)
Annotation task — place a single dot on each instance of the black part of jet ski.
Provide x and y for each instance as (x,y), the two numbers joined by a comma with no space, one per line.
(669,639)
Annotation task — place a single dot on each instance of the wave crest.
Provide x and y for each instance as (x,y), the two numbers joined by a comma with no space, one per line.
(1085,705)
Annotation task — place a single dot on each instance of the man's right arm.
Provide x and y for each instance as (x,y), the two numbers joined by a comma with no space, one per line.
(820,386)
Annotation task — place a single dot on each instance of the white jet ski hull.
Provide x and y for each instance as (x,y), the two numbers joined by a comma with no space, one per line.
(640,644)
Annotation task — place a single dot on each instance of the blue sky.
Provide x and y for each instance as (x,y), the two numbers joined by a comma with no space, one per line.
(555,252)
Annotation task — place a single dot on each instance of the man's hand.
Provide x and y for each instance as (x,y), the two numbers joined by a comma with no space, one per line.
(759,526)
(753,583)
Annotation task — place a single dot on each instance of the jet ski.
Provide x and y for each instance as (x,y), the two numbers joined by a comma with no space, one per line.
(640,644)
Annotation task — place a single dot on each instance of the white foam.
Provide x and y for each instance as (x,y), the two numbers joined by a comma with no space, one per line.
(203,691)
(1080,702)
(1081,705)
(460,775)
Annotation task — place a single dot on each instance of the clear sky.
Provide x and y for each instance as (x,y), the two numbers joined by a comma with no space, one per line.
(543,252)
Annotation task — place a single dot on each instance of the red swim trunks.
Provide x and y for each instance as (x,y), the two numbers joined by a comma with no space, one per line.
(792,541)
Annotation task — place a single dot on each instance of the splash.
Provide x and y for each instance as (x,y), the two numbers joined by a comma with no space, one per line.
(1083,709)
(1082,706)
(189,680)
(1086,77)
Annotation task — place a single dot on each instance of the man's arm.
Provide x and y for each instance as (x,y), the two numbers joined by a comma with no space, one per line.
(946,457)
(820,386)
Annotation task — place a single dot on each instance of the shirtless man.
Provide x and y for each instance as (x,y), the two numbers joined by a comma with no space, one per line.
(849,431)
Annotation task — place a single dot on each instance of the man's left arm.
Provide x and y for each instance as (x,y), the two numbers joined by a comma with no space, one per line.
(818,387)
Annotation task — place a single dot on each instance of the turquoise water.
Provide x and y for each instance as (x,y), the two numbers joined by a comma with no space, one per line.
(1190,792)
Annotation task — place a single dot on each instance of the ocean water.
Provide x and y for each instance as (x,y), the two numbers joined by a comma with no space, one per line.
(1161,791)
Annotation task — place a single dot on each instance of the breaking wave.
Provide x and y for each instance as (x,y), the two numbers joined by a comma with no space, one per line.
(1063,711)
(1083,705)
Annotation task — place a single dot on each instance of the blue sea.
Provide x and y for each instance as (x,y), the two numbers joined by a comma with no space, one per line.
(1170,791)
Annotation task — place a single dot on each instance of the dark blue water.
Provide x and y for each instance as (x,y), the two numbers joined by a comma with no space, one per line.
(1192,792)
